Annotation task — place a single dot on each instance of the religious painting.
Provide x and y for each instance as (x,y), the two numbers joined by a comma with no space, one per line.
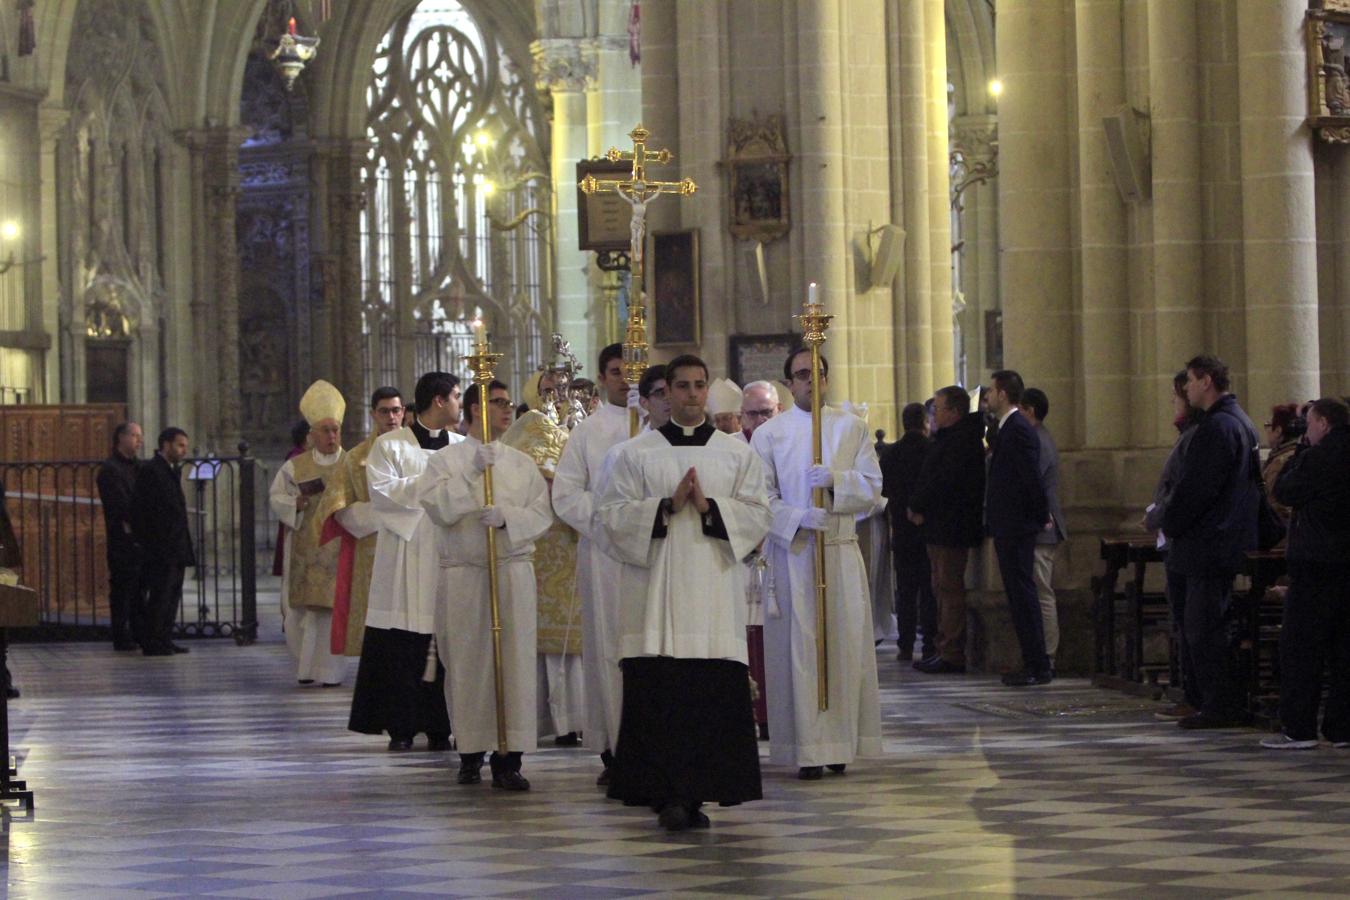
(1328,85)
(757,162)
(759,357)
(993,338)
(603,218)
(674,289)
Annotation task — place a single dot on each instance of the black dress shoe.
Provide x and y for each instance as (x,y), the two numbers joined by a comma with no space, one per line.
(510,781)
(470,773)
(673,817)
(905,654)
(940,666)
(811,773)
(11,692)
(397,744)
(567,740)
(603,780)
(837,768)
(699,819)
(306,680)
(325,684)
(438,744)
(157,650)
(175,648)
(1026,679)
(121,645)
(927,660)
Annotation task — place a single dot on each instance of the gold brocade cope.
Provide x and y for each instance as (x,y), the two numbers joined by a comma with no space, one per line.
(349,487)
(313,567)
(555,554)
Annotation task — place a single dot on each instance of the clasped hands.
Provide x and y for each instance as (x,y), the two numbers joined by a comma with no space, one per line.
(689,491)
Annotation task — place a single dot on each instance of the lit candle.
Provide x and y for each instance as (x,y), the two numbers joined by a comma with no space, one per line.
(811,292)
(290,26)
(477,326)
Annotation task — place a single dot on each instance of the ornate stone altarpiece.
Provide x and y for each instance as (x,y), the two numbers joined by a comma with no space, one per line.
(1327,31)
(757,166)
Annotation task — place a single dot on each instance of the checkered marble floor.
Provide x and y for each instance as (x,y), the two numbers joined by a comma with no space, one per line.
(215,774)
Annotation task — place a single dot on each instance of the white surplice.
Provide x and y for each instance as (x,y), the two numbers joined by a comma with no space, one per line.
(799,733)
(575,485)
(308,630)
(682,593)
(406,570)
(451,492)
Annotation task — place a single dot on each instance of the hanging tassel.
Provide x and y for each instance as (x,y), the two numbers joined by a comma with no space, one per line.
(635,34)
(27,30)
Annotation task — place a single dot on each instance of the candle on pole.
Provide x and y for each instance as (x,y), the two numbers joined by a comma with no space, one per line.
(815,321)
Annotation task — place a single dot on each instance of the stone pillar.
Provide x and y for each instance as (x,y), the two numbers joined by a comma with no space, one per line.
(565,68)
(1104,276)
(339,269)
(51,128)
(939,192)
(1278,208)
(1034,204)
(1178,253)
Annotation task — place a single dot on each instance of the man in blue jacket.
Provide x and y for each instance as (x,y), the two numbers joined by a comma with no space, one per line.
(1015,512)
(1210,524)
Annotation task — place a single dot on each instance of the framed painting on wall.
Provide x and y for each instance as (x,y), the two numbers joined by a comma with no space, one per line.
(674,289)
(759,357)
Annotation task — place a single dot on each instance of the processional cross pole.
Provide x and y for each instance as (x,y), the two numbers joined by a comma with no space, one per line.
(815,321)
(637,191)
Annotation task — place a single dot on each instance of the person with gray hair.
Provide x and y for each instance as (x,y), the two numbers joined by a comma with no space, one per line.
(759,404)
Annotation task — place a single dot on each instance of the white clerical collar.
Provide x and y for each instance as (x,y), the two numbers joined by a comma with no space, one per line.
(433,432)
(689,429)
(326,459)
(1007,415)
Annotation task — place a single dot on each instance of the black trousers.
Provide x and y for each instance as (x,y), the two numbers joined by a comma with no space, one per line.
(1176,601)
(124,590)
(1016,563)
(915,602)
(163,595)
(1316,635)
(390,694)
(1204,635)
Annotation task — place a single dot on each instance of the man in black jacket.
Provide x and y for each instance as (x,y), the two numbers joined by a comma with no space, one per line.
(948,506)
(1017,511)
(160,524)
(116,480)
(1316,627)
(1210,523)
(915,605)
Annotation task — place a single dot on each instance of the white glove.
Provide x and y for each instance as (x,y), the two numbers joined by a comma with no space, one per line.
(815,519)
(486,455)
(634,398)
(492,517)
(819,477)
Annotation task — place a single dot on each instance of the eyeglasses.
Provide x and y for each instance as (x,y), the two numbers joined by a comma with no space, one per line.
(389,410)
(758,413)
(802,375)
(501,402)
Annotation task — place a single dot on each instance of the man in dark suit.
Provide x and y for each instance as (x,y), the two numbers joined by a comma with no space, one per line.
(160,524)
(915,604)
(1016,512)
(116,481)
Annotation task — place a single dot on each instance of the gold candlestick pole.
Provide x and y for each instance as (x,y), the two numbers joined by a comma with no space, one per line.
(484,365)
(637,191)
(815,321)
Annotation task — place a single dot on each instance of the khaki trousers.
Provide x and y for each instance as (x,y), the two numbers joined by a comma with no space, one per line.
(1044,570)
(949,584)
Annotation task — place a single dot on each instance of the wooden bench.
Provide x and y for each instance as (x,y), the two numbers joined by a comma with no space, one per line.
(1132,609)
(18,609)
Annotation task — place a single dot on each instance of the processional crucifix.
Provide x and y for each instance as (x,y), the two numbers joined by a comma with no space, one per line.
(637,191)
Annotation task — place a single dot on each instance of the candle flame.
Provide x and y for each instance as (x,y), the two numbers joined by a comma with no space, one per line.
(290,26)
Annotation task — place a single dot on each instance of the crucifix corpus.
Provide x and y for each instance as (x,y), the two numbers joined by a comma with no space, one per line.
(638,192)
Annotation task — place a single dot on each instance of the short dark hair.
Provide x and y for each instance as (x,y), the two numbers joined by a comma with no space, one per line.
(472,394)
(612,352)
(787,363)
(299,431)
(1179,383)
(1335,411)
(433,385)
(169,435)
(384,393)
(1039,403)
(1010,383)
(913,416)
(1208,364)
(685,361)
(120,430)
(1283,415)
(955,396)
(650,378)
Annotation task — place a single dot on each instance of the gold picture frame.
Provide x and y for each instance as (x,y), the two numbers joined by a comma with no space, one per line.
(676,304)
(759,202)
(1327,33)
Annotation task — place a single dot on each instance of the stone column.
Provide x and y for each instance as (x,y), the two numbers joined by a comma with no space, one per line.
(1278,208)
(1034,204)
(340,271)
(51,128)
(939,192)
(1104,277)
(565,68)
(1178,253)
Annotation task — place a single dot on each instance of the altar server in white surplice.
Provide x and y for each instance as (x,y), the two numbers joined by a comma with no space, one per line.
(683,506)
(799,733)
(451,492)
(574,491)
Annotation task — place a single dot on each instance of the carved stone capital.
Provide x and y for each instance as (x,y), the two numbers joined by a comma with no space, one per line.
(565,64)
(975,137)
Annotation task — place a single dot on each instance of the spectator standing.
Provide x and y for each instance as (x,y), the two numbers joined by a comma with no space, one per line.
(1035,406)
(1316,627)
(915,603)
(1211,524)
(948,507)
(160,524)
(1283,432)
(116,480)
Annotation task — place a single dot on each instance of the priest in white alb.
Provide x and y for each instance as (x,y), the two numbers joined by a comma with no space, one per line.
(800,733)
(309,576)
(682,507)
(452,494)
(400,685)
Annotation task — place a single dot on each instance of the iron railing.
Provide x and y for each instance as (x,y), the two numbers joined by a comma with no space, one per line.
(58,519)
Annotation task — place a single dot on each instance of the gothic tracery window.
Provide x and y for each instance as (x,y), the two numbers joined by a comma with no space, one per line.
(457,220)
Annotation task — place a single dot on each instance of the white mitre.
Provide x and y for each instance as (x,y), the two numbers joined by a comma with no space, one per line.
(322,401)
(724,397)
(785,400)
